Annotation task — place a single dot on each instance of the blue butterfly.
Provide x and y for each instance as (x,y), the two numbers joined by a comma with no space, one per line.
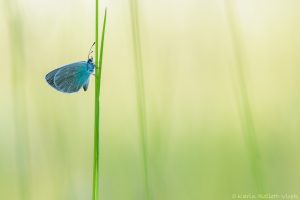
(72,77)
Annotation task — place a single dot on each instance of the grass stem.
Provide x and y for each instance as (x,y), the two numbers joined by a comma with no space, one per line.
(19,97)
(245,104)
(141,101)
(98,67)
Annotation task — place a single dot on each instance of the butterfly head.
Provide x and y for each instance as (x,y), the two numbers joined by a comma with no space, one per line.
(90,65)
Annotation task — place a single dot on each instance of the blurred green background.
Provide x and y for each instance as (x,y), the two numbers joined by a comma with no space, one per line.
(203,60)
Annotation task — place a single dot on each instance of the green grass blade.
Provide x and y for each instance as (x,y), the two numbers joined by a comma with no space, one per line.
(96,112)
(19,98)
(98,68)
(102,43)
(245,104)
(141,100)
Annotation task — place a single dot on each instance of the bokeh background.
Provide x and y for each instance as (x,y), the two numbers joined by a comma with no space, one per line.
(210,66)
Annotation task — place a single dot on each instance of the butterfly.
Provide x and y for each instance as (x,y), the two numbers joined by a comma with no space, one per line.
(72,77)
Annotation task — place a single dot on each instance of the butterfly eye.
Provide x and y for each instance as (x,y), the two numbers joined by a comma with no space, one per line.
(90,60)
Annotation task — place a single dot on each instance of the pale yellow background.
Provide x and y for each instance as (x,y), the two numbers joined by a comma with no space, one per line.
(196,140)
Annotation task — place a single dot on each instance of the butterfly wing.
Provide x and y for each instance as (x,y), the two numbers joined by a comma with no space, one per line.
(50,77)
(86,85)
(72,77)
(69,78)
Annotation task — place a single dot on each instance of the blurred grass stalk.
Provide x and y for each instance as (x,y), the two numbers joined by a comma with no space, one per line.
(244,101)
(98,68)
(19,97)
(140,90)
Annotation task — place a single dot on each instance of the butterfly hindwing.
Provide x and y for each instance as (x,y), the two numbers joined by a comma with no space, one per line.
(86,85)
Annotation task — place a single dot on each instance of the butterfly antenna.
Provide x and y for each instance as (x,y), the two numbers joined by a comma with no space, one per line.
(91,51)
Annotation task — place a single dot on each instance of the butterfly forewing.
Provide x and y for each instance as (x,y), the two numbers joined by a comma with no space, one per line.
(72,77)
(69,78)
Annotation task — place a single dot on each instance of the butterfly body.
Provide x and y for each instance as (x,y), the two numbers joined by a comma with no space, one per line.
(72,77)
